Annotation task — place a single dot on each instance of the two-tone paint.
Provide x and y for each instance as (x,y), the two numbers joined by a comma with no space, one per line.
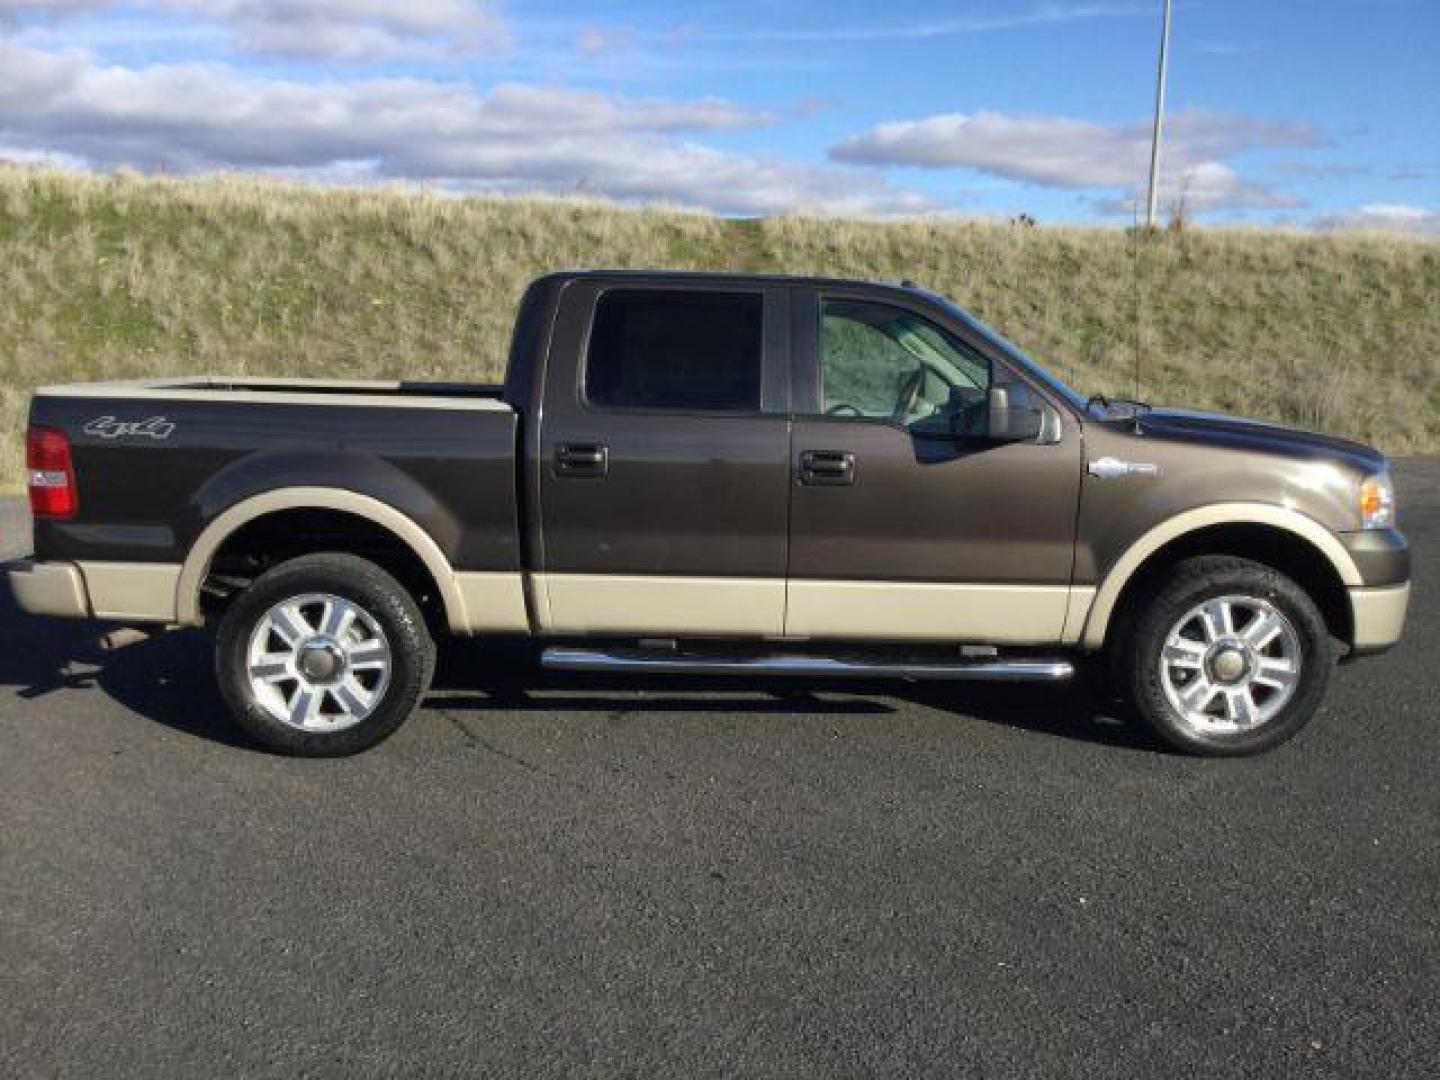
(536,511)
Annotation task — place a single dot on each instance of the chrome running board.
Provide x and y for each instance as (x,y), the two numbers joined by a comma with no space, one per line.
(649,662)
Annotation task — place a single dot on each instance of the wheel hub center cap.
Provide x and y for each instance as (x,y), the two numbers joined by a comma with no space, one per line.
(321,660)
(1230,664)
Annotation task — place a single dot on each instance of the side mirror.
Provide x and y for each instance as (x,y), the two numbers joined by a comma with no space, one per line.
(1015,425)
(977,415)
(993,418)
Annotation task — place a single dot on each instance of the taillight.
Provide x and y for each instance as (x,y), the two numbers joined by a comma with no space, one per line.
(52,475)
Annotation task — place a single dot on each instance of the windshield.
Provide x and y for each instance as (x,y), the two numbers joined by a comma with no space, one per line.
(1017,356)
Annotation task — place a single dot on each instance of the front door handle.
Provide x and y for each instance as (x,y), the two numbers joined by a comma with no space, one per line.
(582,460)
(827,468)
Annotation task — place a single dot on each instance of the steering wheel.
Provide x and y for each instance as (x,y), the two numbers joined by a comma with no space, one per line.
(842,408)
(907,395)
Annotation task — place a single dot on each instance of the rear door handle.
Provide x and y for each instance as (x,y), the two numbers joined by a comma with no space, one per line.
(582,460)
(827,468)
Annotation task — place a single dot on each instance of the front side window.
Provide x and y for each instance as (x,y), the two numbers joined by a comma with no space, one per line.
(882,362)
(677,351)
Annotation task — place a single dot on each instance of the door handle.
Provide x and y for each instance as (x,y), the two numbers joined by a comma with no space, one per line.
(582,460)
(827,468)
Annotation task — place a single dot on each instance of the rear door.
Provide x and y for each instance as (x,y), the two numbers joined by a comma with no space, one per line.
(664,481)
(906,523)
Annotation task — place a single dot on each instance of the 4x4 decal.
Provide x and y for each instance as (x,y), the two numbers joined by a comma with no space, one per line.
(107,427)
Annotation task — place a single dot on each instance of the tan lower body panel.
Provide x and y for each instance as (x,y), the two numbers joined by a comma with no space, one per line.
(1082,598)
(679,606)
(1379,615)
(670,606)
(49,589)
(927,611)
(494,602)
(144,592)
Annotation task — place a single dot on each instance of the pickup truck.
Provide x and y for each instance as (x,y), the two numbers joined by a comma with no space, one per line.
(718,473)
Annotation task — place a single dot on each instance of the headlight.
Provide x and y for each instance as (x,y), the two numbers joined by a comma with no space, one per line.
(1377,502)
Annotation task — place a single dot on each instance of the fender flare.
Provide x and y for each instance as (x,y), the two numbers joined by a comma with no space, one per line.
(202,552)
(1097,621)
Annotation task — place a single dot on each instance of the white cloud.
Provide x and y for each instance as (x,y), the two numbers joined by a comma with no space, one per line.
(18,9)
(197,117)
(895,30)
(326,29)
(1385,217)
(1203,187)
(355,29)
(44,159)
(1057,151)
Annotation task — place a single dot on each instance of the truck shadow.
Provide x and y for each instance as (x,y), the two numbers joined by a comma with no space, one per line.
(167,678)
(505,677)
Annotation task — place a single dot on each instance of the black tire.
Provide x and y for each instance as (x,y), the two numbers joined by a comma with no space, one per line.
(409,663)
(1184,587)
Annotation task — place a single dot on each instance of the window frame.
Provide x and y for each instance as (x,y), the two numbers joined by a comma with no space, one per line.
(774,349)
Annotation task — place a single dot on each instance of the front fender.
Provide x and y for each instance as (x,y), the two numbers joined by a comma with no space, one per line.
(1097,621)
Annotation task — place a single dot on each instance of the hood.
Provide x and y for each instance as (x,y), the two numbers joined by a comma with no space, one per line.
(1218,429)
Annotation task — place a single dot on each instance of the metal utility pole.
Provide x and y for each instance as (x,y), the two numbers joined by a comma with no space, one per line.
(1159,121)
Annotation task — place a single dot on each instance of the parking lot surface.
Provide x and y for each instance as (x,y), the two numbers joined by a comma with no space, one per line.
(542,876)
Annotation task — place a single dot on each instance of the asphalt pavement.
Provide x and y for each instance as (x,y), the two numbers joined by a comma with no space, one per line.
(545,876)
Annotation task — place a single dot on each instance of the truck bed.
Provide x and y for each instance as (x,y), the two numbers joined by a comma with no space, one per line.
(157,459)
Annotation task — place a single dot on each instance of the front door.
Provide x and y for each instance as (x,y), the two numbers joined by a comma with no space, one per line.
(905,522)
(664,481)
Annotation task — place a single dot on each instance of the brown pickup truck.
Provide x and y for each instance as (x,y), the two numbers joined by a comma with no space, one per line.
(712,473)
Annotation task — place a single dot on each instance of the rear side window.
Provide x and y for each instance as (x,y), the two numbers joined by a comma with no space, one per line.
(676,350)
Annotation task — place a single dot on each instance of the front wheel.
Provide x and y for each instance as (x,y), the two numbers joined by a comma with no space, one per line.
(322,656)
(1226,657)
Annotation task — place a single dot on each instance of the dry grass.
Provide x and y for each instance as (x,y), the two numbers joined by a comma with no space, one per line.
(108,277)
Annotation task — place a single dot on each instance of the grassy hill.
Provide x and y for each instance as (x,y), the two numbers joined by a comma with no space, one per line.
(109,277)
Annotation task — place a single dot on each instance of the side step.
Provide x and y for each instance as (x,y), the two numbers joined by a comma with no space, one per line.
(651,662)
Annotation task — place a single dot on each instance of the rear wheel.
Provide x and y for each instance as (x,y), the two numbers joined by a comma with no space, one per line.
(1225,657)
(324,655)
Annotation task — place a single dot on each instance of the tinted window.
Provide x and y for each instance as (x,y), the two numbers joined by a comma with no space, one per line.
(675,350)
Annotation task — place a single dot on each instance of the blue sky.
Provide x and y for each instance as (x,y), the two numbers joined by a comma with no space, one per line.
(1317,114)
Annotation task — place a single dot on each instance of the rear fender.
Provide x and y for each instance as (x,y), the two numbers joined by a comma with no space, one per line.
(270,482)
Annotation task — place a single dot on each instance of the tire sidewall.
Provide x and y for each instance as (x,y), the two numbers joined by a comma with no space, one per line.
(1193,583)
(361,582)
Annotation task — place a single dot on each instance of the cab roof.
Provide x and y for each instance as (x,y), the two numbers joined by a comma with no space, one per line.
(729,277)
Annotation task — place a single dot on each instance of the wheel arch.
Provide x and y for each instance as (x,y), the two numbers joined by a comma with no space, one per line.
(404,529)
(1283,539)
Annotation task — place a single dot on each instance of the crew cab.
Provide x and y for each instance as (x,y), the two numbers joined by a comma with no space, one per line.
(718,473)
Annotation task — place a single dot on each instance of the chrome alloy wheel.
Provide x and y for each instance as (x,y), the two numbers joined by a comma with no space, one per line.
(318,662)
(1230,664)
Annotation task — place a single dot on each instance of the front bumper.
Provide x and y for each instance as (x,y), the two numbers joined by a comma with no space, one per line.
(1378,616)
(1382,556)
(49,589)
